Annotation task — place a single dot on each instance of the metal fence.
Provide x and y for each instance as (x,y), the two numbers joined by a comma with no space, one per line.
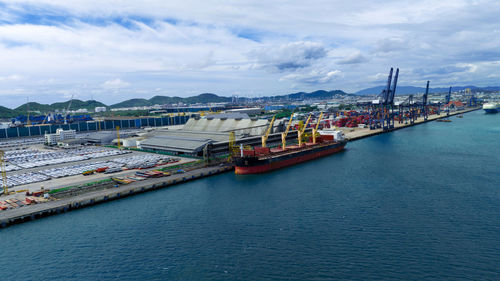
(90,126)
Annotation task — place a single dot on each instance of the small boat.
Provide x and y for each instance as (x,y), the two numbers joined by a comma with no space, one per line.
(460,116)
(443,120)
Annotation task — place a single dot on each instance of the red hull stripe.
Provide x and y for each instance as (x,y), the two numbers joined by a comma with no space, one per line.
(288,162)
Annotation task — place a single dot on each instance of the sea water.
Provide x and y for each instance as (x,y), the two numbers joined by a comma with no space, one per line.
(421,203)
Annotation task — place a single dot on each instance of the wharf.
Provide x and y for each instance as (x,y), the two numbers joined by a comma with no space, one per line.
(32,212)
(358,133)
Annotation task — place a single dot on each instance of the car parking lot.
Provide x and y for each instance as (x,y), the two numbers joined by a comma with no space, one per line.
(30,165)
(32,157)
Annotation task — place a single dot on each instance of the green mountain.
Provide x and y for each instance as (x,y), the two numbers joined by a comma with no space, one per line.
(132,103)
(90,105)
(7,112)
(32,106)
(203,98)
(60,106)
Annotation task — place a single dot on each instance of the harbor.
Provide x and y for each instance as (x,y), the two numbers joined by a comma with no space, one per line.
(112,192)
(385,196)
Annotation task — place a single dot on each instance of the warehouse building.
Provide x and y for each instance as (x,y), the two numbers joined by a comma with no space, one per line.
(212,130)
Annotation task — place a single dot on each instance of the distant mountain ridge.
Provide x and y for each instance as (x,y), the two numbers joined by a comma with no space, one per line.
(213,98)
(202,98)
(407,90)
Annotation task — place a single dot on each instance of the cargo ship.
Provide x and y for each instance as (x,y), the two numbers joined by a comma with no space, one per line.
(491,107)
(265,159)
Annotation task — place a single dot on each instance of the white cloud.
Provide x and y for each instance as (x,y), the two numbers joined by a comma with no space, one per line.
(13,77)
(245,46)
(116,83)
(313,76)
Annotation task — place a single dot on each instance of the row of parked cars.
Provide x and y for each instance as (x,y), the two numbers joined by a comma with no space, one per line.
(30,158)
(14,143)
(25,178)
(80,169)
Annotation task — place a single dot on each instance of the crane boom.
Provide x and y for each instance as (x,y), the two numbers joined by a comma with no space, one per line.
(283,135)
(303,129)
(315,130)
(266,135)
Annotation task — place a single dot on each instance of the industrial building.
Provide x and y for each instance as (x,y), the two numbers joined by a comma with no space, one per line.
(59,135)
(212,131)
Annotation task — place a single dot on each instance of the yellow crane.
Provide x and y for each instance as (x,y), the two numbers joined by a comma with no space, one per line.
(118,137)
(315,130)
(283,135)
(301,131)
(266,135)
(4,174)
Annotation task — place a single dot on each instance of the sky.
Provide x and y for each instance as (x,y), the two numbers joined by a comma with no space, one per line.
(113,50)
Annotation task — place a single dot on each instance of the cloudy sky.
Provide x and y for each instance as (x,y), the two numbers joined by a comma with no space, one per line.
(112,50)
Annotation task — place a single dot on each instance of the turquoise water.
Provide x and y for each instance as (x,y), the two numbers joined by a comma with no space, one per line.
(422,203)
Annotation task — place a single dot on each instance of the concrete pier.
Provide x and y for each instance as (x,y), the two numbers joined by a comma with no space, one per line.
(358,133)
(32,212)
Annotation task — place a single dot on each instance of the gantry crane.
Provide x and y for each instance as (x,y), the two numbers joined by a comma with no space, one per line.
(4,174)
(283,135)
(266,135)
(301,131)
(315,130)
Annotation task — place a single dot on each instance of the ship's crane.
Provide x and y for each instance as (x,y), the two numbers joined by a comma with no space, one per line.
(301,131)
(283,135)
(268,131)
(315,130)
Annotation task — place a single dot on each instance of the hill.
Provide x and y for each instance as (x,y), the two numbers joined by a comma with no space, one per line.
(6,112)
(321,94)
(202,98)
(60,106)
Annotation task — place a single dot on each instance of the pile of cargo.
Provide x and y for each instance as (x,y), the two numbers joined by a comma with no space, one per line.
(139,176)
(14,203)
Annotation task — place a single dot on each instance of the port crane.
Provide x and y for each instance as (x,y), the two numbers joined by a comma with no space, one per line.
(425,109)
(268,131)
(315,129)
(301,131)
(283,135)
(447,101)
(382,114)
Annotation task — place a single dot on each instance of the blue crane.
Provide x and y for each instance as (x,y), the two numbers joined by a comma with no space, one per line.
(424,102)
